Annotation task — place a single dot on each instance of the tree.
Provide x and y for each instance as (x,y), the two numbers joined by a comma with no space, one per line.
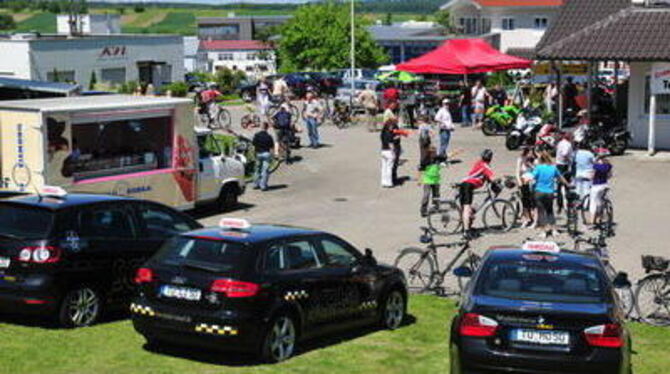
(7,22)
(318,38)
(388,21)
(138,8)
(443,18)
(93,82)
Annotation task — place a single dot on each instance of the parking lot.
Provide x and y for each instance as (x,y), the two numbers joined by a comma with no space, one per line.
(337,188)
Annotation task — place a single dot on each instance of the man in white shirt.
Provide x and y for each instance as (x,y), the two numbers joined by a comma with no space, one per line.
(564,158)
(479,97)
(445,126)
(313,113)
(280,89)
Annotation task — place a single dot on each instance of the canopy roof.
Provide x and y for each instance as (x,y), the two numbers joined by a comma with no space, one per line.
(463,56)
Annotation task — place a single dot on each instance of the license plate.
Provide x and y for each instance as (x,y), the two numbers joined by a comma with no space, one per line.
(541,337)
(183,293)
(4,262)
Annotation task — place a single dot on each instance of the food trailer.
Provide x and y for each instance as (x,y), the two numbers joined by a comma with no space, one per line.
(138,146)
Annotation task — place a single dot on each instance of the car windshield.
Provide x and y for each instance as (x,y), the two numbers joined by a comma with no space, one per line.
(542,281)
(368,74)
(204,254)
(25,222)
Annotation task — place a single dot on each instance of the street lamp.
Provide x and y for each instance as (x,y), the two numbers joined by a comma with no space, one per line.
(353,56)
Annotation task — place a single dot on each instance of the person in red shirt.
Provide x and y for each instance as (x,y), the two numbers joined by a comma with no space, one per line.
(391,95)
(480,174)
(207,97)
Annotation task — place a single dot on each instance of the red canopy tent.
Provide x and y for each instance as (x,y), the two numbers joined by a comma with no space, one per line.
(463,56)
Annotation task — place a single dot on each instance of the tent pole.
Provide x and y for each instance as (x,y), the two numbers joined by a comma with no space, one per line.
(465,78)
(559,89)
(652,126)
(589,91)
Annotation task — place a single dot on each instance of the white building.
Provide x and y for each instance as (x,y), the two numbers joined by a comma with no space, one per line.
(99,24)
(253,57)
(113,59)
(520,24)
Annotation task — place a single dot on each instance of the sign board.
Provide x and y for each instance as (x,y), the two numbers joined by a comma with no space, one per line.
(549,247)
(660,78)
(544,68)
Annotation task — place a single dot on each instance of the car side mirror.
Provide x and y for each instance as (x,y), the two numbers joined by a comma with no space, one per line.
(621,281)
(463,272)
(369,257)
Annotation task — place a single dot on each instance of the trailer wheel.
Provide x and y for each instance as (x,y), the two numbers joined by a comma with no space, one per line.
(228,198)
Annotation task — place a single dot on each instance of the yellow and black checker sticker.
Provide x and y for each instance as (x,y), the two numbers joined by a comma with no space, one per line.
(141,309)
(215,329)
(296,295)
(367,305)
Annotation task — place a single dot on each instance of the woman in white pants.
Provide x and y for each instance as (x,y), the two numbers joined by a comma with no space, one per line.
(388,153)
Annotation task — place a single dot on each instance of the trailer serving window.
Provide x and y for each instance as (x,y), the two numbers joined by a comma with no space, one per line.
(107,146)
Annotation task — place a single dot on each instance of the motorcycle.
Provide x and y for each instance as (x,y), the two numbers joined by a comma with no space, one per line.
(498,119)
(528,124)
(613,137)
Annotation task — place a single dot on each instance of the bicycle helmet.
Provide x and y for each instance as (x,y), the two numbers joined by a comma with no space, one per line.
(487,155)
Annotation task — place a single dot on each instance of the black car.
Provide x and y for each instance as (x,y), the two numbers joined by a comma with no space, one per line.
(73,256)
(261,289)
(529,311)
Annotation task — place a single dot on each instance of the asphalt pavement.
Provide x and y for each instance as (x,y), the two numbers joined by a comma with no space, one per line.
(336,188)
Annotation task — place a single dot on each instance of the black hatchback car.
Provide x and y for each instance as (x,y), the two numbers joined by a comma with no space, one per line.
(540,312)
(261,289)
(75,255)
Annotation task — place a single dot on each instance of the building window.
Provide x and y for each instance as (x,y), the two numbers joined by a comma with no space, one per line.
(113,75)
(468,25)
(225,57)
(541,23)
(662,101)
(508,24)
(486,26)
(251,56)
(222,32)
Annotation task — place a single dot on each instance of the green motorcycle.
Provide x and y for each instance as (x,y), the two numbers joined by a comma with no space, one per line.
(499,119)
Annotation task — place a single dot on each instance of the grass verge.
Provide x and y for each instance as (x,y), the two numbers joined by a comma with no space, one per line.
(419,347)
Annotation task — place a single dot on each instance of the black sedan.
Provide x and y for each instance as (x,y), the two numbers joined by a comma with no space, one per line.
(262,289)
(528,311)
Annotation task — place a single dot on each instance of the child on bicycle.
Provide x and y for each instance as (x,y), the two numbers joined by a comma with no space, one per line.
(430,176)
(480,174)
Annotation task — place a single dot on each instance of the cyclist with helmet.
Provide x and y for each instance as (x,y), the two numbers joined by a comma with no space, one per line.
(207,98)
(480,174)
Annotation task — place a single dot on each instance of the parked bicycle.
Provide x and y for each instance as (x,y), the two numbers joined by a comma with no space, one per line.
(652,296)
(251,119)
(598,247)
(422,265)
(498,214)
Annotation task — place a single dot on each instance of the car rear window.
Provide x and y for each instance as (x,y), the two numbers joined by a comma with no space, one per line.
(542,281)
(205,254)
(25,222)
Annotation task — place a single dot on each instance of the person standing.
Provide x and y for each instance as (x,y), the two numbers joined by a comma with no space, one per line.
(524,177)
(368,99)
(602,173)
(479,97)
(265,147)
(465,103)
(445,126)
(430,178)
(545,175)
(390,113)
(313,112)
(584,160)
(499,95)
(263,96)
(564,161)
(387,138)
(425,137)
(570,91)
(280,90)
(409,104)
(550,94)
(391,96)
(283,125)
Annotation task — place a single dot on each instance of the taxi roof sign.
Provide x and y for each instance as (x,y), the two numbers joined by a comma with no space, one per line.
(234,223)
(536,246)
(53,191)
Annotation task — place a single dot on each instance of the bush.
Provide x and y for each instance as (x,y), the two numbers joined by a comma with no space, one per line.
(228,80)
(93,81)
(139,8)
(7,22)
(128,88)
(178,89)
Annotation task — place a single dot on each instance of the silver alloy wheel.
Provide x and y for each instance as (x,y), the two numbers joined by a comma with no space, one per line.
(282,339)
(83,307)
(394,311)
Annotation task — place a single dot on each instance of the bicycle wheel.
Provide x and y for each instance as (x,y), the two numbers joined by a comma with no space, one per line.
(419,268)
(223,118)
(500,216)
(445,218)
(584,207)
(274,164)
(652,300)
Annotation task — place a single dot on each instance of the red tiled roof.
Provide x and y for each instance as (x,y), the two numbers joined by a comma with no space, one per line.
(232,45)
(520,2)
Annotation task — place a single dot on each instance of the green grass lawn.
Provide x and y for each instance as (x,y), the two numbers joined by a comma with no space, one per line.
(420,347)
(182,23)
(40,22)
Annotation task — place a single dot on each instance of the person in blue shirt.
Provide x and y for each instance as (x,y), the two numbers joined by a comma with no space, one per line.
(545,175)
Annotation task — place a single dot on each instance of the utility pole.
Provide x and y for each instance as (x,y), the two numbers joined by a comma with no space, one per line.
(353,55)
(74,17)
